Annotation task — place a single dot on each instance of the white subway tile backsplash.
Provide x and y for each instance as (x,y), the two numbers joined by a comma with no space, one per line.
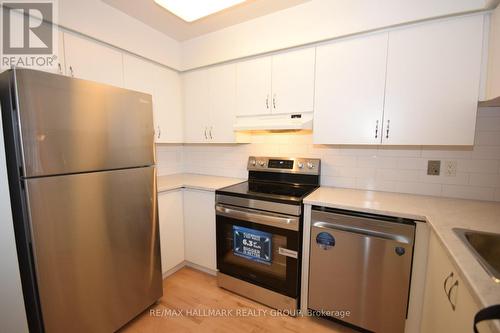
(488,123)
(468,192)
(487,138)
(497,194)
(411,163)
(488,112)
(347,182)
(478,166)
(419,188)
(461,178)
(381,168)
(479,179)
(486,152)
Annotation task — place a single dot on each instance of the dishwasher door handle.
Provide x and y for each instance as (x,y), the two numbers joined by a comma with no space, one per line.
(362,231)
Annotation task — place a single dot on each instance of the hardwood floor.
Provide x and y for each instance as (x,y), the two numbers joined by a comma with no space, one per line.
(190,297)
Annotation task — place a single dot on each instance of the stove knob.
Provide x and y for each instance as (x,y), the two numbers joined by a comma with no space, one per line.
(262,163)
(310,165)
(253,162)
(300,165)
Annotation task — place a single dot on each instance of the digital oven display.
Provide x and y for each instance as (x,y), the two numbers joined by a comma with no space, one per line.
(280,164)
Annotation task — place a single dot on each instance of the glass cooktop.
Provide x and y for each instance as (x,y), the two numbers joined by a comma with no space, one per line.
(268,191)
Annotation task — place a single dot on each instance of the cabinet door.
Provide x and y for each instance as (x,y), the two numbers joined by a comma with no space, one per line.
(58,66)
(222,90)
(168,113)
(349,96)
(165,87)
(438,313)
(293,81)
(253,87)
(170,211)
(432,89)
(196,106)
(199,228)
(90,60)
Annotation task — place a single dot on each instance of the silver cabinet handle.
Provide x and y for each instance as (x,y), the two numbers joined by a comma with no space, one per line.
(210,133)
(445,283)
(267,102)
(71,71)
(454,285)
(376,130)
(159,131)
(206,137)
(59,67)
(250,215)
(274,101)
(387,130)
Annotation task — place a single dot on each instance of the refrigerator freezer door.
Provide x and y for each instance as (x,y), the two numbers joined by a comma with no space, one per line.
(70,125)
(96,248)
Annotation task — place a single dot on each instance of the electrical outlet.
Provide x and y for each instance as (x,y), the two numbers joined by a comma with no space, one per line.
(450,168)
(433,168)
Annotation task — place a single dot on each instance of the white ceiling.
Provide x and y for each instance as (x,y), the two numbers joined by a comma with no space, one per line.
(162,20)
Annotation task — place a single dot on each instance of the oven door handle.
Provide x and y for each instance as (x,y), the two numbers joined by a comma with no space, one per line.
(265,218)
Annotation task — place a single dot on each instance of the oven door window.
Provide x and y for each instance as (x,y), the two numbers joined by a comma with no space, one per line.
(259,254)
(252,244)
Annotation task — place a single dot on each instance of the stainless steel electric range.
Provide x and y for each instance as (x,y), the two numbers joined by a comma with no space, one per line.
(259,230)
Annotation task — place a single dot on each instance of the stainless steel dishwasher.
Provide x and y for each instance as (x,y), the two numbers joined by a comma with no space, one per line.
(360,267)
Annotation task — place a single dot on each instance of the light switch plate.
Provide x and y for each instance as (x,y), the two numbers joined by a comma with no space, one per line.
(433,168)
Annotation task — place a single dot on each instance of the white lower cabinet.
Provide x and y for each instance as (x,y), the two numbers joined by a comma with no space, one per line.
(199,228)
(170,211)
(448,304)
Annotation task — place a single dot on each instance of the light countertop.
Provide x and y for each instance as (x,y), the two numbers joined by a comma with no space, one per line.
(195,181)
(442,214)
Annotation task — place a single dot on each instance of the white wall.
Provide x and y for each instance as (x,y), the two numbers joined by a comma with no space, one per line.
(493,80)
(12,312)
(366,167)
(313,21)
(101,21)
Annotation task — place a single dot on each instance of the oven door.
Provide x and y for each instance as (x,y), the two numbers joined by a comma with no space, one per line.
(259,247)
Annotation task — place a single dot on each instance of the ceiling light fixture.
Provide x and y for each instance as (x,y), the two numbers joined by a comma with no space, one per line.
(192,10)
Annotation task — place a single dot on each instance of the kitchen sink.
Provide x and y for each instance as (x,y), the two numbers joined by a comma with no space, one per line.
(486,248)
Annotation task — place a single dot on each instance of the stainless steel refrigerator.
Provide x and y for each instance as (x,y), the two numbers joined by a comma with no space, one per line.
(83,191)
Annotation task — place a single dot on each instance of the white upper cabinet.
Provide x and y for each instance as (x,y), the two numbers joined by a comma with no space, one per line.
(253,87)
(90,60)
(209,105)
(196,106)
(293,81)
(222,91)
(349,91)
(58,66)
(165,87)
(433,74)
(279,84)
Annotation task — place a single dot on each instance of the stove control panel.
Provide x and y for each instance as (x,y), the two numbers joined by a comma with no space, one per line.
(309,166)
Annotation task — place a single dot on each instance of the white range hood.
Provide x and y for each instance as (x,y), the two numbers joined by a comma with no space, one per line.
(300,121)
